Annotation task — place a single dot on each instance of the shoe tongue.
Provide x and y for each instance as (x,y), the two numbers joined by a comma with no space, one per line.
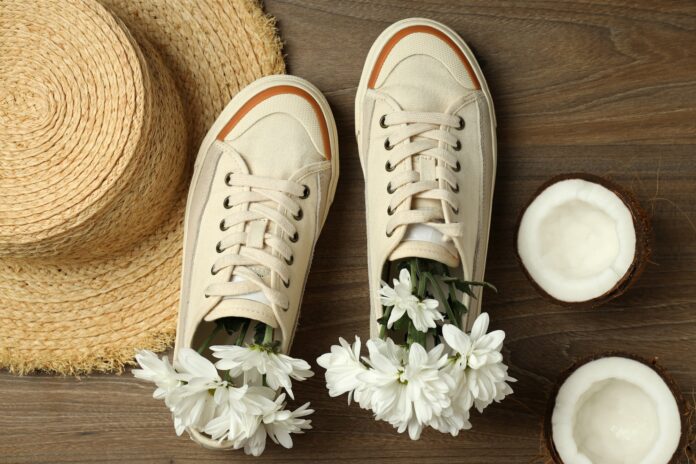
(422,241)
(252,306)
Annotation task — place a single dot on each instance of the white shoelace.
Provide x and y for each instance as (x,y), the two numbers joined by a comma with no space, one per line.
(425,132)
(262,204)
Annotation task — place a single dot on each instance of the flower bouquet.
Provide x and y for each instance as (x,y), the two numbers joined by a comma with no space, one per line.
(241,398)
(424,369)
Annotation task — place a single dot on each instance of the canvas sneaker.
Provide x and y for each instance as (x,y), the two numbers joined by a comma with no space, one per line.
(263,182)
(426,134)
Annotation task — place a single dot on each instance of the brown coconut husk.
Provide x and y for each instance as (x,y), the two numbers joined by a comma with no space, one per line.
(684,451)
(644,240)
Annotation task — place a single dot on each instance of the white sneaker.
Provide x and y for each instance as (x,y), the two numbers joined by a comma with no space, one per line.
(426,135)
(264,179)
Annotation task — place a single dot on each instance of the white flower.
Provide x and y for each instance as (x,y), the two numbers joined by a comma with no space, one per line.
(281,423)
(240,413)
(158,371)
(256,361)
(478,355)
(343,367)
(194,403)
(408,387)
(423,314)
(477,348)
(277,423)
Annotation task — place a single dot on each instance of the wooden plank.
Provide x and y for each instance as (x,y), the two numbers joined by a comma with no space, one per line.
(607,87)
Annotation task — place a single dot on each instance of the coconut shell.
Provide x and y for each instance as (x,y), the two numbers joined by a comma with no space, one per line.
(644,239)
(686,432)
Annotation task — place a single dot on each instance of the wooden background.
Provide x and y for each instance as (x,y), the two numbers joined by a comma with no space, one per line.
(607,87)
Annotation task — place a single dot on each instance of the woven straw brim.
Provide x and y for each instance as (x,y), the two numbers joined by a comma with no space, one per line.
(91,308)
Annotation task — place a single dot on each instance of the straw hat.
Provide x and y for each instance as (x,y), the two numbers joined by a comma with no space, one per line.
(102,107)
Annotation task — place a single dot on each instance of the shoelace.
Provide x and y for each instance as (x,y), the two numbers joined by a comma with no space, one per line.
(425,132)
(263,203)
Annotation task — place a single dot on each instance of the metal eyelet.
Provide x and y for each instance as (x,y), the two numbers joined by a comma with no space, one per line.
(290,261)
(218,247)
(295,237)
(388,167)
(305,192)
(389,188)
(462,123)
(457,167)
(299,215)
(458,146)
(286,283)
(382,122)
(226,203)
(390,211)
(222,225)
(228,179)
(387,145)
(456,188)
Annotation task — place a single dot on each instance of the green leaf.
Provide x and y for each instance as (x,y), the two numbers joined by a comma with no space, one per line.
(232,324)
(402,323)
(259,333)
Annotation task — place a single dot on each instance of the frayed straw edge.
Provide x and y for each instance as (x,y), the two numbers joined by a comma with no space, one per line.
(108,360)
(270,35)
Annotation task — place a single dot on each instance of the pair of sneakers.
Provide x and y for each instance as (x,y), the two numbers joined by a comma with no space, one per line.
(266,175)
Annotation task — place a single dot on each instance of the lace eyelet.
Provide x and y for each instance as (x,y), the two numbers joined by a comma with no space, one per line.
(290,261)
(462,123)
(389,234)
(226,203)
(213,271)
(299,215)
(222,225)
(389,188)
(218,247)
(388,167)
(390,211)
(458,146)
(228,179)
(295,237)
(456,188)
(286,283)
(382,122)
(455,210)
(305,192)
(457,167)
(387,145)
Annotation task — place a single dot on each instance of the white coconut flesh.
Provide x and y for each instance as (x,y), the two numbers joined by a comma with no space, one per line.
(615,410)
(577,240)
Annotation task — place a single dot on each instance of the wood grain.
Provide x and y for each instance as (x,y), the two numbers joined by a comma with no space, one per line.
(607,87)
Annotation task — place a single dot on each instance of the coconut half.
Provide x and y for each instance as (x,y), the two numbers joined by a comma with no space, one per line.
(615,409)
(582,240)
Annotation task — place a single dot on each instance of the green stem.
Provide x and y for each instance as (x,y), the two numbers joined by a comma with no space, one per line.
(243,332)
(422,282)
(414,274)
(209,339)
(443,300)
(383,327)
(268,336)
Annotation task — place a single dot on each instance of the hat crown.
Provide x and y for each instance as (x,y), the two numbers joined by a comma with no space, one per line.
(92,132)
